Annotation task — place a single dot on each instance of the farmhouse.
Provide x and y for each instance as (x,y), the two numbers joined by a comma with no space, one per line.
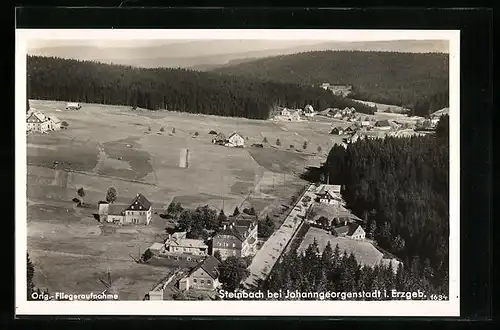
(329,197)
(350,230)
(203,276)
(219,139)
(237,237)
(235,140)
(55,123)
(179,244)
(73,106)
(285,112)
(337,131)
(137,212)
(338,115)
(37,122)
(349,130)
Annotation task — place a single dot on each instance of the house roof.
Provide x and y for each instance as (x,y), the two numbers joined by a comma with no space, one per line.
(187,242)
(335,188)
(140,203)
(55,119)
(238,226)
(349,229)
(116,209)
(37,117)
(234,134)
(209,264)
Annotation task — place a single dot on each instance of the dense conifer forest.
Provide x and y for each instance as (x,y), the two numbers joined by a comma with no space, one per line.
(183,90)
(400,186)
(333,270)
(385,77)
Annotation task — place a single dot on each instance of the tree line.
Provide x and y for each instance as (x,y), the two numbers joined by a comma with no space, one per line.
(51,78)
(403,79)
(333,270)
(400,187)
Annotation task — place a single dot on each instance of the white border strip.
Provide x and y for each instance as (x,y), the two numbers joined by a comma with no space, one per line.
(243,308)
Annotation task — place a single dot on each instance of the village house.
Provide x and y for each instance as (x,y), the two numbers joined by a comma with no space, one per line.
(338,115)
(235,140)
(349,130)
(329,194)
(237,237)
(137,212)
(350,230)
(179,244)
(285,112)
(337,131)
(204,276)
(55,123)
(73,106)
(37,122)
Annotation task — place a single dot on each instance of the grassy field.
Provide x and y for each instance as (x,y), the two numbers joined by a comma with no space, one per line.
(108,146)
(365,252)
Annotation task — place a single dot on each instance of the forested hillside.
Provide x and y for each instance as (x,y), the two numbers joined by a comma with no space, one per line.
(401,187)
(52,78)
(383,77)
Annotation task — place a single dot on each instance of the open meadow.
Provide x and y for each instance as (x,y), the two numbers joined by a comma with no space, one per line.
(138,152)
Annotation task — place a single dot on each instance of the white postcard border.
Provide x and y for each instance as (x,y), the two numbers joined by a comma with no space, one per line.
(240,308)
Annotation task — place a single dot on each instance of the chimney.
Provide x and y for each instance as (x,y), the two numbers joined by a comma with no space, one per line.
(345,222)
(224,226)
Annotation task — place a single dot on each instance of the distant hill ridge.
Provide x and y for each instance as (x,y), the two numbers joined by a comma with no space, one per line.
(383,77)
(51,78)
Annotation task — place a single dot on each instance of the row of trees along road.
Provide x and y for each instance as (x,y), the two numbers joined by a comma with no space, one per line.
(182,90)
(400,186)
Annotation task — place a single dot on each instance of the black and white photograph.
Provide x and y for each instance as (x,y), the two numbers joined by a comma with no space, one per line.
(260,168)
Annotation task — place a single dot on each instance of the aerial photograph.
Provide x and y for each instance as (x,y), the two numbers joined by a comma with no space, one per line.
(237,169)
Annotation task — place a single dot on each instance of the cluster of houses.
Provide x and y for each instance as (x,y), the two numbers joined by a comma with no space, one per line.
(330,208)
(286,114)
(236,237)
(346,114)
(234,140)
(340,90)
(37,122)
(372,130)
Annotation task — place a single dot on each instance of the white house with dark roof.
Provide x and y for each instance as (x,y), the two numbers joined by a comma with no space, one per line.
(175,245)
(136,212)
(237,237)
(37,122)
(235,140)
(351,230)
(204,276)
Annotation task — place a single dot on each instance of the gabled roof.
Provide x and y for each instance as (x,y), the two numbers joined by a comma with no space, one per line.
(238,226)
(348,230)
(37,117)
(234,134)
(187,242)
(55,119)
(209,264)
(140,203)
